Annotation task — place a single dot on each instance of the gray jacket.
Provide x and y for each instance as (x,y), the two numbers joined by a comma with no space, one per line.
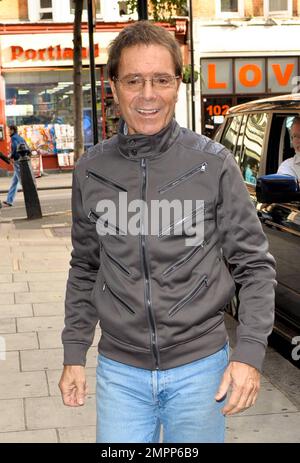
(161,303)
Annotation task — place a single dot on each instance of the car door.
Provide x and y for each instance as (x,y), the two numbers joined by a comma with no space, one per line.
(281,223)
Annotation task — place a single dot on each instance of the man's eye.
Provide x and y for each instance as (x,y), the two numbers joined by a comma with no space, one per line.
(132,82)
(163,80)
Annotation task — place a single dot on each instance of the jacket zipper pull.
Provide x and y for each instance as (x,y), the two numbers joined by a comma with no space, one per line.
(104,286)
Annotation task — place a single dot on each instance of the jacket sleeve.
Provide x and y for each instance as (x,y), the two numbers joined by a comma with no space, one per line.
(13,146)
(245,248)
(80,315)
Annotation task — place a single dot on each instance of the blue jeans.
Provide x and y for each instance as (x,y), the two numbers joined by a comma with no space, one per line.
(132,403)
(14,183)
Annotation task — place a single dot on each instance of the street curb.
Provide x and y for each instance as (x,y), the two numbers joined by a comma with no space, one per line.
(43,189)
(49,214)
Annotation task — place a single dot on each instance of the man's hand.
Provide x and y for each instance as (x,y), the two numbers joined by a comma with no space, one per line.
(245,382)
(73,385)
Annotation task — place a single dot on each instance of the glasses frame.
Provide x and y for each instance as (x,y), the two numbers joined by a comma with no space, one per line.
(116,79)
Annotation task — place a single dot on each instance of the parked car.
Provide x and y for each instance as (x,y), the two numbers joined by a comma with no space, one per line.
(257,133)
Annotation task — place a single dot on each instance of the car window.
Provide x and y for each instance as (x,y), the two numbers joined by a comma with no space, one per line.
(252,146)
(280,146)
(240,140)
(231,132)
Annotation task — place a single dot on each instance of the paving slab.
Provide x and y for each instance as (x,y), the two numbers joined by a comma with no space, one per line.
(50,359)
(40,265)
(21,341)
(47,436)
(12,415)
(49,308)
(18,385)
(6,278)
(38,416)
(6,298)
(9,309)
(10,364)
(47,286)
(41,276)
(39,297)
(278,428)
(39,323)
(8,325)
(82,435)
(13,287)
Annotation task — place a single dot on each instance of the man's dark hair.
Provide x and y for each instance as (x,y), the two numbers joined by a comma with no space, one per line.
(142,33)
(13,128)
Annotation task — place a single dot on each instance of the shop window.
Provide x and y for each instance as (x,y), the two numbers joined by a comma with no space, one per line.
(278,7)
(41,102)
(46,9)
(73,4)
(230,8)
(214,109)
(252,146)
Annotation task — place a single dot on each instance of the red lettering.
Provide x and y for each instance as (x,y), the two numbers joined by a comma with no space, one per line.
(212,78)
(50,53)
(283,79)
(41,53)
(30,54)
(256,78)
(16,52)
(84,53)
(58,52)
(68,53)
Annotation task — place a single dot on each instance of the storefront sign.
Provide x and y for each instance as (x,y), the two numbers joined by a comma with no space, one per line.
(50,50)
(248,75)
(45,54)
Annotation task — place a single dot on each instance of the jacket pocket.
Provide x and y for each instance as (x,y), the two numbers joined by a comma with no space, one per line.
(118,298)
(117,262)
(105,180)
(94,217)
(173,267)
(189,297)
(183,177)
(186,221)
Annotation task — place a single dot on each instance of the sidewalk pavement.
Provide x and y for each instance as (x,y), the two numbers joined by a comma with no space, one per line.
(49,182)
(33,273)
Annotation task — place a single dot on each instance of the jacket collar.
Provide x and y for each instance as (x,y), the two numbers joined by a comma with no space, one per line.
(139,146)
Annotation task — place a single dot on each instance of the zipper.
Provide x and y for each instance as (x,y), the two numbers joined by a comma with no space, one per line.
(105,180)
(188,298)
(183,260)
(94,217)
(182,178)
(124,304)
(116,262)
(171,228)
(146,271)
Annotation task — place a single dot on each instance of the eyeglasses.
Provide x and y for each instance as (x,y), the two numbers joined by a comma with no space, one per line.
(295,135)
(137,83)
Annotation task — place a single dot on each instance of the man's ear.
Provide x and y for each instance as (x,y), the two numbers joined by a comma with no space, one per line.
(178,85)
(114,90)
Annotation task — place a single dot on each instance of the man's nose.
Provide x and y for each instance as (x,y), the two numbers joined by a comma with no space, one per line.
(148,90)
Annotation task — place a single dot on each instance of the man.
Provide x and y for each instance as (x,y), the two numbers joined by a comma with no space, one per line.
(16,139)
(291,166)
(163,353)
